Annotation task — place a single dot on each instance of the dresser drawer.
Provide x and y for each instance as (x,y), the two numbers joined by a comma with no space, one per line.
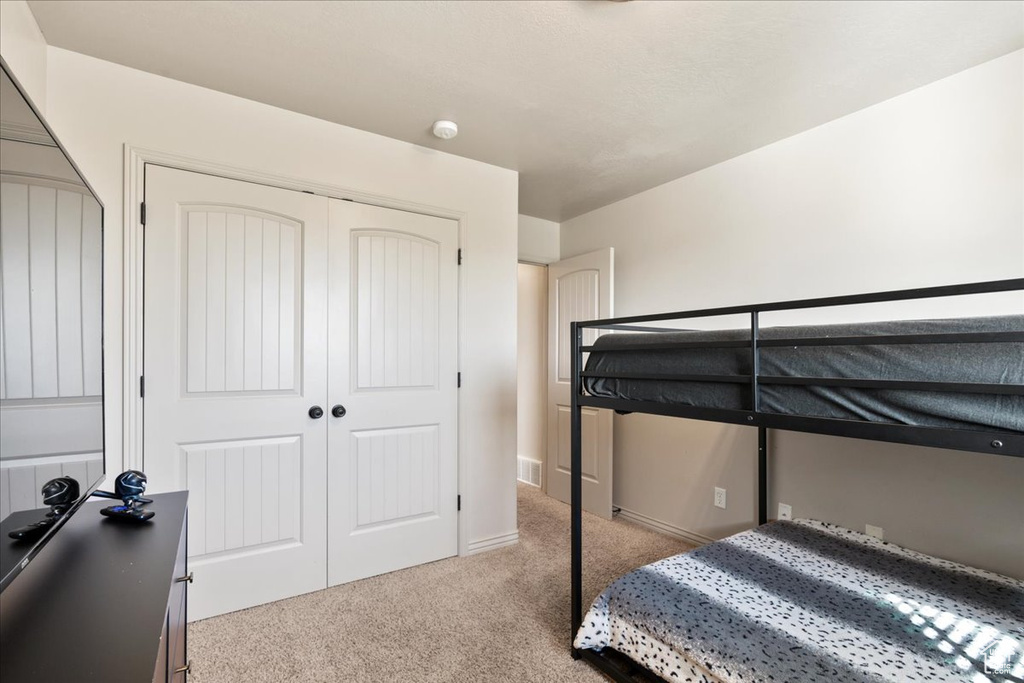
(176,640)
(160,673)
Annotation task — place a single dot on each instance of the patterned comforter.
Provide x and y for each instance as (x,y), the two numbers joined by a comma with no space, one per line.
(808,601)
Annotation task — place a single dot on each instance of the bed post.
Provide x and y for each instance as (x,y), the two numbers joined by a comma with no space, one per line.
(762,475)
(576,486)
(762,432)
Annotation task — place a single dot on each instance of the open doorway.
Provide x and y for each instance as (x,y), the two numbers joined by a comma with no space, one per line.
(532,387)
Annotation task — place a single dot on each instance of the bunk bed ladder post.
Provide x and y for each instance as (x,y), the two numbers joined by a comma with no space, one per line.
(762,475)
(755,367)
(762,432)
(576,485)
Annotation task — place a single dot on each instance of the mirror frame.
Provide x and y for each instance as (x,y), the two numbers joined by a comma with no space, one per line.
(86,491)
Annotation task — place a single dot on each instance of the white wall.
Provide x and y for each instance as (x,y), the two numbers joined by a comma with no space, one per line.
(532,306)
(24,49)
(97,107)
(538,240)
(924,189)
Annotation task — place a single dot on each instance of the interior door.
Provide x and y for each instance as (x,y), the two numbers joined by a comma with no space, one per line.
(235,358)
(579,288)
(393,335)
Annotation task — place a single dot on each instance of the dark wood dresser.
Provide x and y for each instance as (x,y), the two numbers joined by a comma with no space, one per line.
(102,601)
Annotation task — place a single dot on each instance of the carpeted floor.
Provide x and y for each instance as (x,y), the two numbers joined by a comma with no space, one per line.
(498,616)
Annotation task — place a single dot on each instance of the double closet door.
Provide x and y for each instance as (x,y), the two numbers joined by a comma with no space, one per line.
(300,382)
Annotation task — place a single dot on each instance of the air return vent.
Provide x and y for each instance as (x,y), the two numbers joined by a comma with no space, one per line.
(529,471)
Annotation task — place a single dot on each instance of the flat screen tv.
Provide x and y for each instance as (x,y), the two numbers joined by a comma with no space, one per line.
(51,333)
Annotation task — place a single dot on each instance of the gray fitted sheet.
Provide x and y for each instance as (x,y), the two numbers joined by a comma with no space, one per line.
(961,362)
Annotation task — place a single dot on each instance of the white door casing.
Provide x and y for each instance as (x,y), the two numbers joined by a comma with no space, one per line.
(579,288)
(235,355)
(393,335)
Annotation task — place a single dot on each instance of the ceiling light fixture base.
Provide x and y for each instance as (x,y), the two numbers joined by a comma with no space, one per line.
(445,130)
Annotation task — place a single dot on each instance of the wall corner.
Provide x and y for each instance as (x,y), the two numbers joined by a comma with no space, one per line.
(24,49)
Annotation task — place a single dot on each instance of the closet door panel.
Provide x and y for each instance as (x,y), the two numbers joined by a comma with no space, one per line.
(393,362)
(235,356)
(396,311)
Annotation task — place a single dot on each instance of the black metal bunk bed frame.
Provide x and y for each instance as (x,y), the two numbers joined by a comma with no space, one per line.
(618,667)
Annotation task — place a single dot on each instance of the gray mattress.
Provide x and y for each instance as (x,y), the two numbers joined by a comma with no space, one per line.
(1001,363)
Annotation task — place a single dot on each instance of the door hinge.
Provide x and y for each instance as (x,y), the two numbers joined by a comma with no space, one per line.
(458,503)
(142,387)
(460,257)
(458,380)
(142,213)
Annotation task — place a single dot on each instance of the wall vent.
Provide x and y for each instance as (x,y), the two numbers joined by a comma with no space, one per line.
(529,471)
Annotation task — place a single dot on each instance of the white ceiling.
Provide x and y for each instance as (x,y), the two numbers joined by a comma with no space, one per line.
(591,101)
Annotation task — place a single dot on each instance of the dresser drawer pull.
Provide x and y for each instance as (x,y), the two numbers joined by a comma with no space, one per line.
(187,669)
(187,577)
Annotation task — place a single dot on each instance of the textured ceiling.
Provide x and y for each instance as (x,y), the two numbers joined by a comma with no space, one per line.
(590,101)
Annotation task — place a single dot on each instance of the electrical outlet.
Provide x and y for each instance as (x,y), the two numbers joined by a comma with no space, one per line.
(876,531)
(785,511)
(719,497)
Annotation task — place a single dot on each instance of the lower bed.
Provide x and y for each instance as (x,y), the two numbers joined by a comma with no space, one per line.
(808,601)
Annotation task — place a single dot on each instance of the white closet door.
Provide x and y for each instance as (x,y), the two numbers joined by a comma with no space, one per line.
(393,339)
(235,356)
(579,288)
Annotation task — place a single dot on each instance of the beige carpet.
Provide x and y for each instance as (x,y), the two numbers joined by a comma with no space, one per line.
(498,616)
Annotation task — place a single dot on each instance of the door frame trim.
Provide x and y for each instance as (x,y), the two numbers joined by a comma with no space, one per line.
(135,160)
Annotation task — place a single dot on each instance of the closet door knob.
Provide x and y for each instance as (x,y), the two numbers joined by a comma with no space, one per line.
(338,411)
(316,412)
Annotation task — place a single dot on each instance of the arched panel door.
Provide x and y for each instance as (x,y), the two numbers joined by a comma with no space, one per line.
(579,288)
(392,464)
(235,358)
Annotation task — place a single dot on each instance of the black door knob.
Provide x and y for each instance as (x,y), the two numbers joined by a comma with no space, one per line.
(316,412)
(338,411)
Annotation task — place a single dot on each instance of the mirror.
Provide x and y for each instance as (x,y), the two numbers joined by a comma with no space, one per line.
(51,325)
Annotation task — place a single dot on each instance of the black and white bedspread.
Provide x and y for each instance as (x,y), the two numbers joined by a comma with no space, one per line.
(808,601)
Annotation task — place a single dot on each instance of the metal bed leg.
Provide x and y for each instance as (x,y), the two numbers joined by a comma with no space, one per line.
(762,475)
(576,486)
(762,431)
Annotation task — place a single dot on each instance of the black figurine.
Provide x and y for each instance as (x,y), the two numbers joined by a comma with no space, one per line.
(60,494)
(129,487)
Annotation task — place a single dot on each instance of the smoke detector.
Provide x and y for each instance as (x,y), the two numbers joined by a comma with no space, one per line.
(446,130)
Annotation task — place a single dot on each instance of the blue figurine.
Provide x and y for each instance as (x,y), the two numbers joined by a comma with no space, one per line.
(129,487)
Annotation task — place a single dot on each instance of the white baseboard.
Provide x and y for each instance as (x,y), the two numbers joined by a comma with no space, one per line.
(492,543)
(664,527)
